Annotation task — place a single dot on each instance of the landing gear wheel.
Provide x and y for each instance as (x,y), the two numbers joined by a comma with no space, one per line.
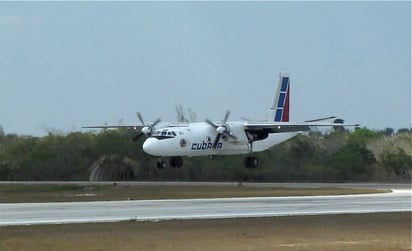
(161,164)
(176,162)
(251,162)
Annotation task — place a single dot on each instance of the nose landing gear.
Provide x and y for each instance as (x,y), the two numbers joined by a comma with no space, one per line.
(161,164)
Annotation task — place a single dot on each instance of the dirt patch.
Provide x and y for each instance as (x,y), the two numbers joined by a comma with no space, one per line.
(383,231)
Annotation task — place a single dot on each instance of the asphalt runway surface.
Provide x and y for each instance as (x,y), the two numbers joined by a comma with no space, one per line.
(154,210)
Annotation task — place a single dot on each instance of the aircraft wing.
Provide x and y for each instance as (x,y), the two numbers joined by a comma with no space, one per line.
(113,126)
(137,126)
(279,127)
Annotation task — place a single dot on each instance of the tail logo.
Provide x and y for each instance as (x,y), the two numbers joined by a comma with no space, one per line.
(282,104)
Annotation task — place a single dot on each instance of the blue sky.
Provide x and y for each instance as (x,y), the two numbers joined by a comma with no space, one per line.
(68,64)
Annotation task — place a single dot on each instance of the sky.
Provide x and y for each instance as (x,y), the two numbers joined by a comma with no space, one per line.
(64,65)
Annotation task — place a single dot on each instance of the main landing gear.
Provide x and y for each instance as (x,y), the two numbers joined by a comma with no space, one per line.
(173,162)
(176,162)
(251,162)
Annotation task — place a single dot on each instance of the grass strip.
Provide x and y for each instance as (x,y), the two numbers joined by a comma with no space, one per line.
(14,193)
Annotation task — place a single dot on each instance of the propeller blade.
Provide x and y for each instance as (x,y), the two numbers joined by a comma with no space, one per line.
(155,123)
(230,135)
(226,116)
(320,119)
(211,123)
(221,130)
(140,118)
(216,140)
(146,130)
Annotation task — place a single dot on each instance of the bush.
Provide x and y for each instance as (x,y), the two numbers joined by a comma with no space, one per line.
(395,160)
(340,155)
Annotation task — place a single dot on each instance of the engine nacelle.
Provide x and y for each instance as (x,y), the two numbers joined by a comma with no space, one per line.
(146,130)
(221,129)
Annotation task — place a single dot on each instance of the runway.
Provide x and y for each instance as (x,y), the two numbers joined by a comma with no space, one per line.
(154,210)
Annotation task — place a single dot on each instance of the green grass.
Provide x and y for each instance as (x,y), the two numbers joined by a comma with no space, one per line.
(12,193)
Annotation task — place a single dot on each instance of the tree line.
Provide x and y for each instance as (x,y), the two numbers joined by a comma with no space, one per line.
(340,155)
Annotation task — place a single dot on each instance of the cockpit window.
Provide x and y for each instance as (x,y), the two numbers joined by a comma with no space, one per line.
(164,134)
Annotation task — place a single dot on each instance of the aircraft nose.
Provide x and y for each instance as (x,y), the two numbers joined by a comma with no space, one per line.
(149,146)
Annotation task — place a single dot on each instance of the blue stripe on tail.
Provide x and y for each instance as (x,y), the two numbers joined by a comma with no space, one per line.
(282,106)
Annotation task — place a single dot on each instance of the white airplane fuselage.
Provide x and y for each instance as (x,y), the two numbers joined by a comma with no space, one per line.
(197,139)
(175,140)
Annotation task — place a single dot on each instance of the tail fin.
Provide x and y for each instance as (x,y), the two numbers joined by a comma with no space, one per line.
(279,112)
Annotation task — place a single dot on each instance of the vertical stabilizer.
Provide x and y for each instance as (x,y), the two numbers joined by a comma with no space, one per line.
(279,112)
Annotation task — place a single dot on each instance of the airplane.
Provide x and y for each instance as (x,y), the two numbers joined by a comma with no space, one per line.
(189,139)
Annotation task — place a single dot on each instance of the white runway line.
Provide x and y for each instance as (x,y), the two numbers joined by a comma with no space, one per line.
(155,210)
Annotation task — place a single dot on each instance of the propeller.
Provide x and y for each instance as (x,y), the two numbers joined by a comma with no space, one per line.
(146,130)
(221,129)
(320,119)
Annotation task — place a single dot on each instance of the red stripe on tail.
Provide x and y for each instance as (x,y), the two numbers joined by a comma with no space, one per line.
(285,115)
